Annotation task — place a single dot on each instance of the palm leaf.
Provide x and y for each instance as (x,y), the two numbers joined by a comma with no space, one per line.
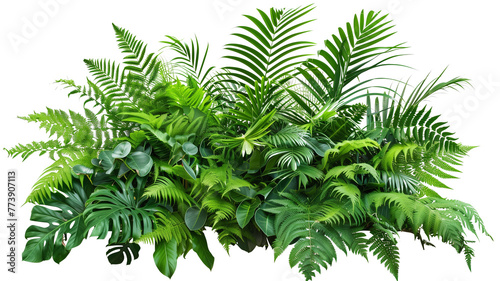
(270,47)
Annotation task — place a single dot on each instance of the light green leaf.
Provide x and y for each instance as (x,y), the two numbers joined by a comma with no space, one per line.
(189,148)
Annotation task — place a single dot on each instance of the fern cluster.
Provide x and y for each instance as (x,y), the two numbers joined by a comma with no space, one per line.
(277,149)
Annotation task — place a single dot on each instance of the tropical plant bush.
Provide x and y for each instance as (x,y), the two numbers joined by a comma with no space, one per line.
(277,149)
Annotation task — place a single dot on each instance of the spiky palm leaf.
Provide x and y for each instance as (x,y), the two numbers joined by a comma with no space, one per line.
(270,46)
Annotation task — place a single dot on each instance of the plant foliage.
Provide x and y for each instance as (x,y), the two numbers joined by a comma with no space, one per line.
(278,149)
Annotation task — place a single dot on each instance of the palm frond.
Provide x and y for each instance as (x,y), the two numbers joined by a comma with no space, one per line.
(270,46)
(191,60)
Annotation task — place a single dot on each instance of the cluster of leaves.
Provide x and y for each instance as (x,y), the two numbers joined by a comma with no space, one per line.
(277,149)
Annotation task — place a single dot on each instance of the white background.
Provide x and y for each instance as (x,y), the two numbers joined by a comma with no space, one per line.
(43,42)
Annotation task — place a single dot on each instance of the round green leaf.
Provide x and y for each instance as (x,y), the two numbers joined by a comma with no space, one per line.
(195,218)
(122,150)
(107,161)
(140,162)
(189,148)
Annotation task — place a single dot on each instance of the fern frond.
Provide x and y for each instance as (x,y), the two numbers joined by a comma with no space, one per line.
(341,150)
(57,175)
(168,226)
(229,232)
(166,190)
(25,150)
(221,209)
(386,251)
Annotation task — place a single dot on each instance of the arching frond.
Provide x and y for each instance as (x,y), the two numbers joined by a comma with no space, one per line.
(270,47)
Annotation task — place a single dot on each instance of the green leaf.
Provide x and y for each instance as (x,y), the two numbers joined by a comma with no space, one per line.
(189,148)
(140,162)
(106,161)
(82,170)
(122,150)
(119,252)
(195,218)
(46,242)
(200,246)
(265,222)
(188,169)
(165,257)
(123,170)
(246,211)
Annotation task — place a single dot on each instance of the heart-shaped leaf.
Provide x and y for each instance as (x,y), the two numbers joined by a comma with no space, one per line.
(107,161)
(195,218)
(189,148)
(122,150)
(140,162)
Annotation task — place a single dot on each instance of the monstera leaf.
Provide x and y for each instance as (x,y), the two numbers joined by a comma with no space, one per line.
(68,218)
(123,212)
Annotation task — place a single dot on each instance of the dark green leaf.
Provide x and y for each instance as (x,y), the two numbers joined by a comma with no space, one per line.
(265,221)
(122,150)
(201,248)
(246,211)
(195,218)
(118,253)
(140,162)
(165,257)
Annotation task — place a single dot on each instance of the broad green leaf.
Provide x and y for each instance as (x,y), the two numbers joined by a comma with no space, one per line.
(195,218)
(82,170)
(246,211)
(200,246)
(123,170)
(265,222)
(140,162)
(189,148)
(107,161)
(46,242)
(165,257)
(188,169)
(122,150)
